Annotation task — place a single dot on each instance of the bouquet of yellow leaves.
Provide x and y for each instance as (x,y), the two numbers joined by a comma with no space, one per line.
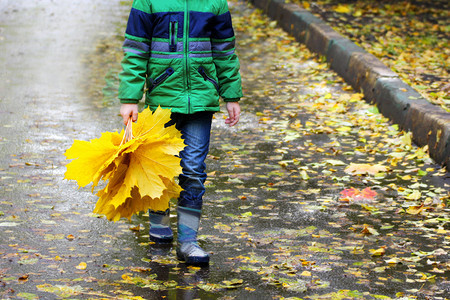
(140,165)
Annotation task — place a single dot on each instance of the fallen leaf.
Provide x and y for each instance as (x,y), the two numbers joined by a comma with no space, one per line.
(369,230)
(27,296)
(363,169)
(342,8)
(335,162)
(24,277)
(81,266)
(416,209)
(135,228)
(306,274)
(232,284)
(378,252)
(415,195)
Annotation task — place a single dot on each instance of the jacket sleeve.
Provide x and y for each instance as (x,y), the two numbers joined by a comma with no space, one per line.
(136,49)
(225,59)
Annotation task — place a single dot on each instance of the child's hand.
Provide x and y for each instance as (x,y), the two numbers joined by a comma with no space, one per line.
(233,113)
(128,110)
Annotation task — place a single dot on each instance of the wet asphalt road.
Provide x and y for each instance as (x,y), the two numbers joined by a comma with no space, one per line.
(273,220)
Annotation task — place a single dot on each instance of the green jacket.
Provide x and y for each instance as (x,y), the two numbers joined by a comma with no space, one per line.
(182,53)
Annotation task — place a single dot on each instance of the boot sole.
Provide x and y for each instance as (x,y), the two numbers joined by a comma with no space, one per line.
(159,240)
(193,260)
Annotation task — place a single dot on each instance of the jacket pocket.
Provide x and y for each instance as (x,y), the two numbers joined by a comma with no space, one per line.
(206,77)
(173,36)
(153,83)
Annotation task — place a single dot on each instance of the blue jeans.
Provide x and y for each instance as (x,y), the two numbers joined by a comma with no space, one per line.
(196,131)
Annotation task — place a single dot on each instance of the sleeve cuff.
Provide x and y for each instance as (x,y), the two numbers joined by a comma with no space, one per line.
(129,101)
(232,100)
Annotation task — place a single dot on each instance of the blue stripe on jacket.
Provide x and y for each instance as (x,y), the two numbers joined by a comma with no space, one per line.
(222,27)
(161,24)
(202,25)
(139,24)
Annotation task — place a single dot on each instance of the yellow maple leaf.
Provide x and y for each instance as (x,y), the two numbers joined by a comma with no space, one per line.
(135,203)
(89,157)
(140,169)
(154,124)
(151,161)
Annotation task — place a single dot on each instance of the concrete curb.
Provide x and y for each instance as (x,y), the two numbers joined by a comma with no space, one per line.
(429,124)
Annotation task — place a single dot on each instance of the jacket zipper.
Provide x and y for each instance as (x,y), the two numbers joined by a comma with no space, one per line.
(186,50)
(173,36)
(160,79)
(205,76)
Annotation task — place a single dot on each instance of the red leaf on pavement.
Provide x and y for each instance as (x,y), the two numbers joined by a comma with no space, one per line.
(368,193)
(358,195)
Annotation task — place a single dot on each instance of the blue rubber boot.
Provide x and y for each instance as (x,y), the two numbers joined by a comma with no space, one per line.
(188,249)
(160,231)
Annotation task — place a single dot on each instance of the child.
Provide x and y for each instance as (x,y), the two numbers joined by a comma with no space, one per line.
(183,52)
